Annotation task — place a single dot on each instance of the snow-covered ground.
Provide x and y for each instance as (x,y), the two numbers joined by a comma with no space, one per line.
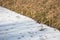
(14,26)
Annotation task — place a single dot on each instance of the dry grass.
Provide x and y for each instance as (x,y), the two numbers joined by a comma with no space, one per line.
(43,11)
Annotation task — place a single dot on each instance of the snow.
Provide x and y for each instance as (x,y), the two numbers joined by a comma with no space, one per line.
(15,26)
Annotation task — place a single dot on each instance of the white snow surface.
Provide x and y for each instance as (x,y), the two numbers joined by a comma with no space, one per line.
(15,26)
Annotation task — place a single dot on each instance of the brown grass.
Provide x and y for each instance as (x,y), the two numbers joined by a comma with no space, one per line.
(43,11)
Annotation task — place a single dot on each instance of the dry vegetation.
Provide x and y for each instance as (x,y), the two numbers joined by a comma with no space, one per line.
(43,11)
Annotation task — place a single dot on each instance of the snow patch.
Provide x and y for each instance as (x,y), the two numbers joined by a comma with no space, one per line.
(14,26)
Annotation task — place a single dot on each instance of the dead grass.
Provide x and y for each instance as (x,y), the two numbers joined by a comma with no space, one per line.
(43,11)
